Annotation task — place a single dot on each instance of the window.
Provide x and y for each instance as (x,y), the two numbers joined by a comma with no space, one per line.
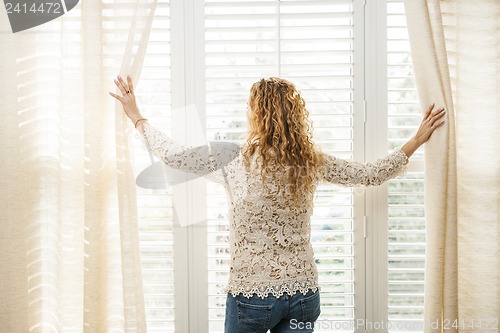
(208,54)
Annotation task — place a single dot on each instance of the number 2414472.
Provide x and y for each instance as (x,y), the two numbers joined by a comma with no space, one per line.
(462,324)
(35,8)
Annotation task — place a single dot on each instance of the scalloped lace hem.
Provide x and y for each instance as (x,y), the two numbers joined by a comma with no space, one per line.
(263,289)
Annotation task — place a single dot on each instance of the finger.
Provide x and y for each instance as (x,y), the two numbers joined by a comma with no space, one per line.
(130,84)
(436,125)
(437,115)
(436,121)
(124,85)
(440,113)
(115,96)
(429,110)
(119,85)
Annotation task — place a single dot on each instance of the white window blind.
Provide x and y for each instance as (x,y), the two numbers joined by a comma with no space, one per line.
(310,43)
(406,242)
(155,209)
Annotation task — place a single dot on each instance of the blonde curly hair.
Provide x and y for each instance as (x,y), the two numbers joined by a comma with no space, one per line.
(281,133)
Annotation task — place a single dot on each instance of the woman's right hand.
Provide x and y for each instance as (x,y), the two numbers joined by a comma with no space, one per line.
(128,99)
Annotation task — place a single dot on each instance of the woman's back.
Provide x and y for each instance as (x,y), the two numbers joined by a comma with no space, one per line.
(269,233)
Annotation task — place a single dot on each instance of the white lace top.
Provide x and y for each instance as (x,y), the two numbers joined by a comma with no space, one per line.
(269,238)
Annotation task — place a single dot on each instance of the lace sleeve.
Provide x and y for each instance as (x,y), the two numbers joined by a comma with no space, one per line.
(336,170)
(203,160)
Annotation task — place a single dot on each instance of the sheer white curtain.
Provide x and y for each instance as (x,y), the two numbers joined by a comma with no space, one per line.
(456,55)
(69,249)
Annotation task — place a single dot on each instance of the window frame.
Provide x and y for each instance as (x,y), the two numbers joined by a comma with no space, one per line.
(370,142)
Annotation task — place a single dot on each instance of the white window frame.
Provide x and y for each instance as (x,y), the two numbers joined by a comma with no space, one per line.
(190,265)
(376,146)
(370,143)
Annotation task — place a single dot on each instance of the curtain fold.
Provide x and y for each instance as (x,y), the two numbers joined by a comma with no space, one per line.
(430,65)
(456,57)
(69,246)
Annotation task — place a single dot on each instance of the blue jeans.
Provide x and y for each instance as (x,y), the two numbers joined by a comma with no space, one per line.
(293,314)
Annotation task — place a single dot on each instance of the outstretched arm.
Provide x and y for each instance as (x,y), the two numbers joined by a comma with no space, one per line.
(206,160)
(349,173)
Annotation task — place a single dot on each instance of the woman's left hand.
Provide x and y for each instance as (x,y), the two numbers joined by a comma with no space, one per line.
(128,98)
(430,122)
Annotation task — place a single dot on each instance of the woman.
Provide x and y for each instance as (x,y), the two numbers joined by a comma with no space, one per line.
(273,281)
